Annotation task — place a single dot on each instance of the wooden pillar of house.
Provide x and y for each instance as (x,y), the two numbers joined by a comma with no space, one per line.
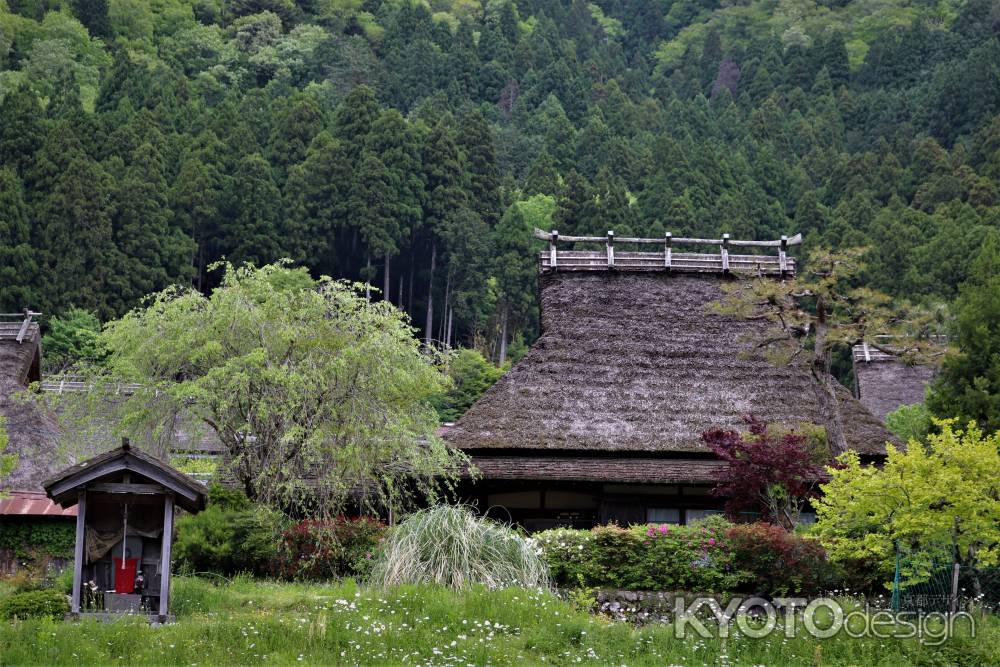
(167,540)
(81,519)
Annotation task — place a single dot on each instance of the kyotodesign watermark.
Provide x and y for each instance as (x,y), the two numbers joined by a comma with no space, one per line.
(821,618)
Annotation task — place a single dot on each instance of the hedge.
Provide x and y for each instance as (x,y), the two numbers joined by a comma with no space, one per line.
(709,556)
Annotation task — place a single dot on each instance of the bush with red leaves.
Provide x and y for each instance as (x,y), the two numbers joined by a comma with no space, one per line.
(327,549)
(779,562)
(773,476)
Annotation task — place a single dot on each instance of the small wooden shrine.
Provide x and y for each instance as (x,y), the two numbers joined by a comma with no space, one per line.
(126,501)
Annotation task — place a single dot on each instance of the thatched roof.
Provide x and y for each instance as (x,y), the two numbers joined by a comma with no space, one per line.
(884,383)
(635,362)
(33,431)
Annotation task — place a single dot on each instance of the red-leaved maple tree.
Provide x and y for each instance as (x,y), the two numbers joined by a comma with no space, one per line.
(772,475)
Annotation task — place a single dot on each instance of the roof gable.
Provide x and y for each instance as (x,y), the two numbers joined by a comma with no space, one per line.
(63,488)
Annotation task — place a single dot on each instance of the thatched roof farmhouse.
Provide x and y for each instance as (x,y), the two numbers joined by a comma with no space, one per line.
(602,418)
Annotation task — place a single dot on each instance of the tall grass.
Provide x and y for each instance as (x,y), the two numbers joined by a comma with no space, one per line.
(253,622)
(450,546)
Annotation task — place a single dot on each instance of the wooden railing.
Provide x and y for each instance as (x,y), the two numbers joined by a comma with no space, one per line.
(17,325)
(666,259)
(74,383)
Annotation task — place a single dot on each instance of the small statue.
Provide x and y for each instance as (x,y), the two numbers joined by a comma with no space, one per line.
(92,596)
(140,582)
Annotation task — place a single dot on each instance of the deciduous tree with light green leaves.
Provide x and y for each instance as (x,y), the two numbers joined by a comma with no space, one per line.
(318,396)
(937,501)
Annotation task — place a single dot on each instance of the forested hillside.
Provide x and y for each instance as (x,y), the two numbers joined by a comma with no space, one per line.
(415,144)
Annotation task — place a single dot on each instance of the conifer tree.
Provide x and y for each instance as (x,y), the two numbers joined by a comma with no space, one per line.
(17,257)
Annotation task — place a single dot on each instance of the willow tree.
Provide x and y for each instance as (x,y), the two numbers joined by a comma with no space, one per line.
(822,308)
(317,395)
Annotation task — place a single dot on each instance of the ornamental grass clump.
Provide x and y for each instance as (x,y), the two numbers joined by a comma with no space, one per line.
(451,546)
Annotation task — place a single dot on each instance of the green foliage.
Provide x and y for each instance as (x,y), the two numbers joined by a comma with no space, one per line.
(937,502)
(450,546)
(38,538)
(910,422)
(197,466)
(34,604)
(654,557)
(72,338)
(471,375)
(969,386)
(230,536)
(327,372)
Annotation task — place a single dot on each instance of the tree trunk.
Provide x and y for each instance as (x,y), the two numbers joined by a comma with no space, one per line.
(368,280)
(399,293)
(447,333)
(829,403)
(385,279)
(429,321)
(201,262)
(503,335)
(409,289)
(447,304)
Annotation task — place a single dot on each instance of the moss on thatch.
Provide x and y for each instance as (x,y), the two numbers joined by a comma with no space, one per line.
(635,362)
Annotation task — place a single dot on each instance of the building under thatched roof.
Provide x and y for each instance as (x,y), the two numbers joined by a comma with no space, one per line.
(883,382)
(33,431)
(610,402)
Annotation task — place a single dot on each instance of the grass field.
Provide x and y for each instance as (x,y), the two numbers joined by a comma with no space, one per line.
(249,622)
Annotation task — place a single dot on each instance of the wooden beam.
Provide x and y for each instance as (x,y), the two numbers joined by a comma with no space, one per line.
(667,250)
(725,253)
(140,489)
(81,518)
(167,540)
(553,239)
(24,326)
(611,248)
(782,256)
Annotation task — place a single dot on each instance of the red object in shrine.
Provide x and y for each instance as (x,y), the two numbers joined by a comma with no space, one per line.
(125,576)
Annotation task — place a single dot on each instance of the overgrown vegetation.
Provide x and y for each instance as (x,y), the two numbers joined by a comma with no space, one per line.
(251,622)
(450,545)
(38,538)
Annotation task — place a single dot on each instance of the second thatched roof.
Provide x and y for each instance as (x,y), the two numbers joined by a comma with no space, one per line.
(631,362)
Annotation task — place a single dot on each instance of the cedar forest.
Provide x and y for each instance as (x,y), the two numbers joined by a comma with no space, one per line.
(415,145)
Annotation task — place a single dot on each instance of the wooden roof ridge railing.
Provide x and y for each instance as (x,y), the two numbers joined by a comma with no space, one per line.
(9,322)
(869,352)
(666,260)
